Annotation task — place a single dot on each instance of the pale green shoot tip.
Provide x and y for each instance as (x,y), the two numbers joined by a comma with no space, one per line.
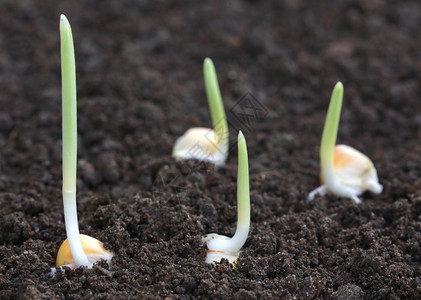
(330,130)
(215,101)
(243,190)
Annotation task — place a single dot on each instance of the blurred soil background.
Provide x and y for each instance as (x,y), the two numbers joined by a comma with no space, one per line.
(140,86)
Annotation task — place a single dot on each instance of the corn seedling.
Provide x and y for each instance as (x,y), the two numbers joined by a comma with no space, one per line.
(77,250)
(345,171)
(220,246)
(207,144)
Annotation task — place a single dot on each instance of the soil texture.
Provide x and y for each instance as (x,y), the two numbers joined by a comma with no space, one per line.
(140,86)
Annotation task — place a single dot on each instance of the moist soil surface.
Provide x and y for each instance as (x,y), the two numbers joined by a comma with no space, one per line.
(140,86)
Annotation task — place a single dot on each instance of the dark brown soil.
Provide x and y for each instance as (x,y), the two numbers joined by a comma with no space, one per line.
(140,86)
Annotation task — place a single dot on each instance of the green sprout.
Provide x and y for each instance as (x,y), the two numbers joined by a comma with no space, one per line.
(215,102)
(73,252)
(220,246)
(345,171)
(201,143)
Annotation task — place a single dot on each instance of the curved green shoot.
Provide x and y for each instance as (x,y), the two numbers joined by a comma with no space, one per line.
(220,246)
(216,106)
(243,196)
(69,111)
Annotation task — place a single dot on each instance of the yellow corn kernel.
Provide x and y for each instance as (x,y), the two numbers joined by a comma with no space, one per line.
(93,248)
(355,169)
(198,143)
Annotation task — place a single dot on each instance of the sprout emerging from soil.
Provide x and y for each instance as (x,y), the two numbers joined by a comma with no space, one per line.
(207,144)
(345,171)
(220,246)
(77,250)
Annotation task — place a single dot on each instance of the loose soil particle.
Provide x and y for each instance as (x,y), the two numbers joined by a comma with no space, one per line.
(140,86)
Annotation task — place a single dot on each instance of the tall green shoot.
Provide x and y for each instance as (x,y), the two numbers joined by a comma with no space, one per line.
(69,112)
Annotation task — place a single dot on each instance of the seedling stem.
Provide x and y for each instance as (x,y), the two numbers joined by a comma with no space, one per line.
(69,111)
